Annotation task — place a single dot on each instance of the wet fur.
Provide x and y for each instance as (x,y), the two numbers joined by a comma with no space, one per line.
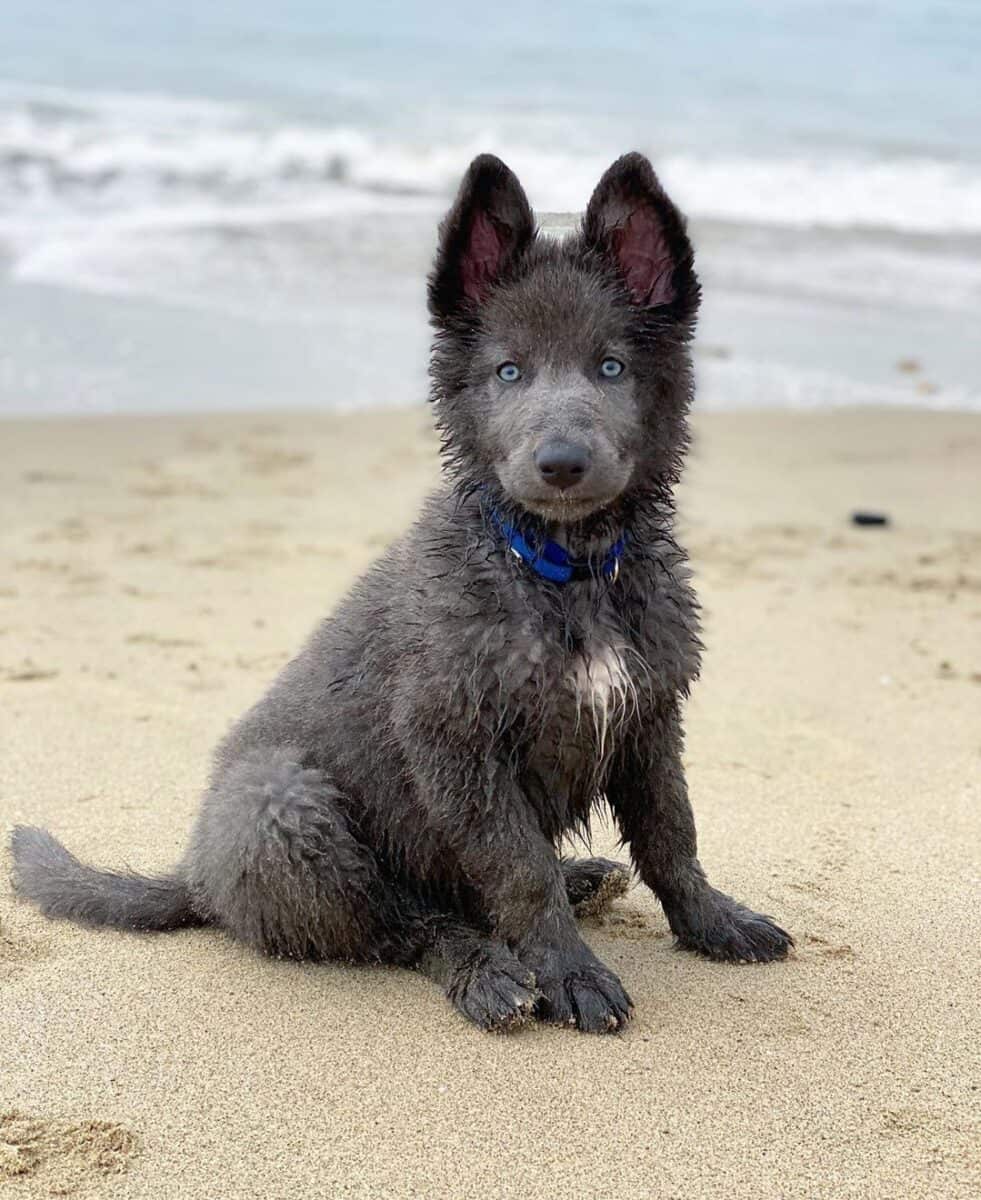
(399,793)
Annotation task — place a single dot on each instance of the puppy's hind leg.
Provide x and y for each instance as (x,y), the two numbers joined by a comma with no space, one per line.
(480,975)
(592,884)
(274,861)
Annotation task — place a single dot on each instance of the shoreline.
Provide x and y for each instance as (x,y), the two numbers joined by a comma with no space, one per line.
(333,315)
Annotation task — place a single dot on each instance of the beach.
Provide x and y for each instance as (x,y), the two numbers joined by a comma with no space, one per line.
(215,232)
(156,571)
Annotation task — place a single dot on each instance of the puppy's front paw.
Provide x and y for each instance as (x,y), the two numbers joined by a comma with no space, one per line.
(580,991)
(728,932)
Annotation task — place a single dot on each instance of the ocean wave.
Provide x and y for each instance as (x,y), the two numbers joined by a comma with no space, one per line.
(65,156)
(914,195)
(755,384)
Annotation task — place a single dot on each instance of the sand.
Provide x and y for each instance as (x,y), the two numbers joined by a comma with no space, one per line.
(156,572)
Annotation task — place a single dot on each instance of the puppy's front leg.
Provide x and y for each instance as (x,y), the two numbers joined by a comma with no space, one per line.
(649,798)
(476,821)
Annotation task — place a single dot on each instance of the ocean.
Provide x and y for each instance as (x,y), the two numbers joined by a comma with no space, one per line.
(233,205)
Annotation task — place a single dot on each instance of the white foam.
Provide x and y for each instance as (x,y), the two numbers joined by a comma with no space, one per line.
(753,384)
(224,209)
(914,195)
(64,152)
(842,268)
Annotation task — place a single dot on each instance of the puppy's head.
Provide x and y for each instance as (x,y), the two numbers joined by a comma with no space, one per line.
(561,369)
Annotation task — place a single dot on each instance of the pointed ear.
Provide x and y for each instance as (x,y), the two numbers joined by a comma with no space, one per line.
(631,221)
(488,227)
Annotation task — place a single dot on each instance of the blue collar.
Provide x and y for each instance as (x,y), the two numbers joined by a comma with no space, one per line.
(552,561)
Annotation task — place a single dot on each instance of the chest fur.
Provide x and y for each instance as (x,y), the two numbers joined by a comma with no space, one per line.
(602,688)
(572,742)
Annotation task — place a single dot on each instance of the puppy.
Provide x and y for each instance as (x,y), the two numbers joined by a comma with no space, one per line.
(519,657)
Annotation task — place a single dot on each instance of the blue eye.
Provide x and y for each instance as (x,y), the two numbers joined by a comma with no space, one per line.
(610,368)
(510,372)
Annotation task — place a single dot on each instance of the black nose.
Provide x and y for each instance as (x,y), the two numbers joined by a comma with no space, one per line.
(562,464)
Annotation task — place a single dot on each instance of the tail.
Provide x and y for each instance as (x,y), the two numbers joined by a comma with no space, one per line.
(53,879)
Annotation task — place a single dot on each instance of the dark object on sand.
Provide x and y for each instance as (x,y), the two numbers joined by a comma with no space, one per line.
(869,518)
(520,655)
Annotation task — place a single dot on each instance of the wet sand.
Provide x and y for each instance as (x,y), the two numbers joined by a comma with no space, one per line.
(155,573)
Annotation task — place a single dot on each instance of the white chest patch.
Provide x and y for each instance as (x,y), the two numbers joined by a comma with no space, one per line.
(603,686)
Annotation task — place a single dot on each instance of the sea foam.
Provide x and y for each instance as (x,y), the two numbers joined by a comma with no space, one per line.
(64,155)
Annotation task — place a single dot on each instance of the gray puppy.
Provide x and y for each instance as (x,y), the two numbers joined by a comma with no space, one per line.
(520,655)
